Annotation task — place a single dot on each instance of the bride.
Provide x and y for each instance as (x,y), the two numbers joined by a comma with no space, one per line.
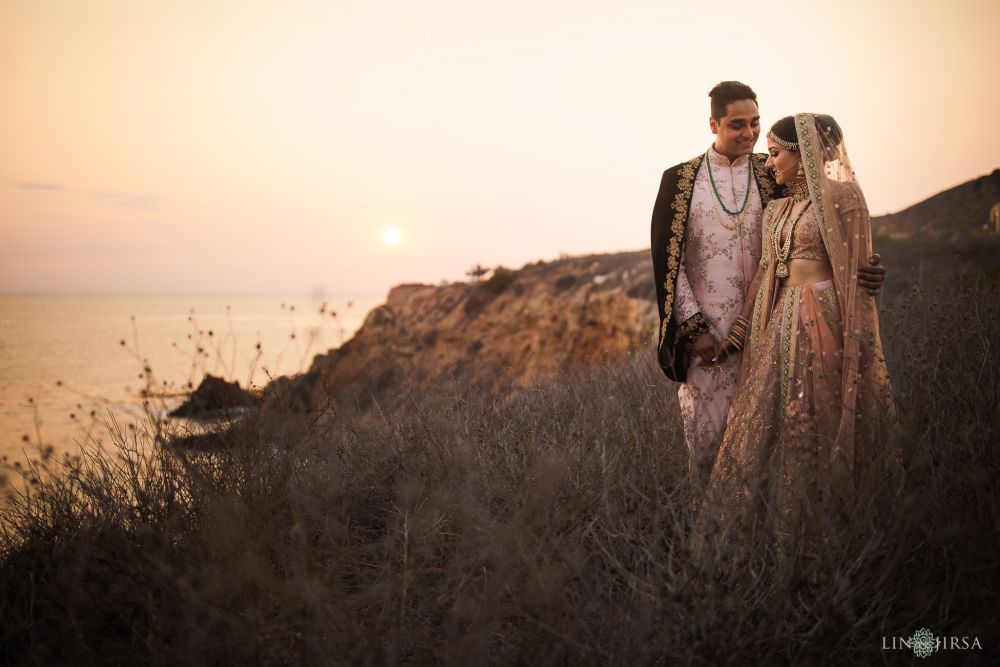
(811,420)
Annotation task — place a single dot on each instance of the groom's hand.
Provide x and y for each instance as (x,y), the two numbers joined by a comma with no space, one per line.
(723,350)
(871,275)
(703,349)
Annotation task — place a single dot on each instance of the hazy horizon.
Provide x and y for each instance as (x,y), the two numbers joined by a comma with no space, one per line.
(312,294)
(348,147)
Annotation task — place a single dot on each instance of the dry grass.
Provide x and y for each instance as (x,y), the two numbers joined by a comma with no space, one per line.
(547,527)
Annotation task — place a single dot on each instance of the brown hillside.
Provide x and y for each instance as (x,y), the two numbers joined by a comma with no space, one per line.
(958,211)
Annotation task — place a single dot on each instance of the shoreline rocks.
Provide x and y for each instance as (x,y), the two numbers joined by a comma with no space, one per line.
(215,398)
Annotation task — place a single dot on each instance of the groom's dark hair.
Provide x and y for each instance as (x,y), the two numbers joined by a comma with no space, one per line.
(726,92)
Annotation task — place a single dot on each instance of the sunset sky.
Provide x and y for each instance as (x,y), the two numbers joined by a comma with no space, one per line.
(288,147)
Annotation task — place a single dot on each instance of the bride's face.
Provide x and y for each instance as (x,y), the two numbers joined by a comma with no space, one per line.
(784,163)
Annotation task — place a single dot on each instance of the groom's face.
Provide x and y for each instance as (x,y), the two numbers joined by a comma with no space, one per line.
(737,131)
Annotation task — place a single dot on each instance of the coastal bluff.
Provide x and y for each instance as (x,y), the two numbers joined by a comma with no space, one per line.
(513,329)
(518,327)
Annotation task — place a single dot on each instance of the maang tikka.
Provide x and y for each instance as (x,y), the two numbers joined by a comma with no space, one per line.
(787,145)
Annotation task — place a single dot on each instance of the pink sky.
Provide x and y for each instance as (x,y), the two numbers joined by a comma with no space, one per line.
(262,147)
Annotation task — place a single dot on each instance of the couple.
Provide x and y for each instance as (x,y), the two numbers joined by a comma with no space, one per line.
(765,280)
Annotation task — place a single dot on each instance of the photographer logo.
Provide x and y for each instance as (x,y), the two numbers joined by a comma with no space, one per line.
(923,643)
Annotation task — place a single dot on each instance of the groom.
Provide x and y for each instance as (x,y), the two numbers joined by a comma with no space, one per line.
(706,239)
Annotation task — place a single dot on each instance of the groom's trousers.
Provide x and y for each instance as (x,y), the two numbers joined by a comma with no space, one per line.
(704,402)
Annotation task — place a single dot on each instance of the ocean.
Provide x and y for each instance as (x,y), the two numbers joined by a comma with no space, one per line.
(69,362)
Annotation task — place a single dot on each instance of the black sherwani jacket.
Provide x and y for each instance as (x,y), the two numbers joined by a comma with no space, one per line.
(670,218)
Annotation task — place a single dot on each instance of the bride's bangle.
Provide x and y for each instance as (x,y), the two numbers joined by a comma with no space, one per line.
(739,332)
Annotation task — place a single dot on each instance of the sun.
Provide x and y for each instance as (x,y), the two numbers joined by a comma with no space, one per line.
(392,236)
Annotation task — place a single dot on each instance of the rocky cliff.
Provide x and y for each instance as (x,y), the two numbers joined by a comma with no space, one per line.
(516,327)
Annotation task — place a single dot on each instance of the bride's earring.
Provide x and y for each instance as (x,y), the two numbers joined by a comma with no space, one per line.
(801,172)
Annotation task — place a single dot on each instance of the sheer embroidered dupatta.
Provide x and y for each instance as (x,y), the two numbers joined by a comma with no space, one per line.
(863,444)
(768,288)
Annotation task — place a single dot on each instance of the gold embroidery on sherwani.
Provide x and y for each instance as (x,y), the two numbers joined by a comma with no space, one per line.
(685,183)
(765,185)
(692,324)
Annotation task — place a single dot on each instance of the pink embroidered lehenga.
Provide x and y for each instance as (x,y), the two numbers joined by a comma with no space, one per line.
(813,417)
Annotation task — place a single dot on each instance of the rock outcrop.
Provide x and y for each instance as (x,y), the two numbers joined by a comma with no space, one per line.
(517,327)
(213,397)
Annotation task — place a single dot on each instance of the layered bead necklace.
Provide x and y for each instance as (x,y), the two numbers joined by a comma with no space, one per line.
(783,251)
(741,214)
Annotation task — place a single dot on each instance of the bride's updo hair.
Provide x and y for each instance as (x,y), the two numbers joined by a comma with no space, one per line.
(784,129)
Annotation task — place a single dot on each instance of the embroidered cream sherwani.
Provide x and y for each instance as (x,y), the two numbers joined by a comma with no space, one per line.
(719,262)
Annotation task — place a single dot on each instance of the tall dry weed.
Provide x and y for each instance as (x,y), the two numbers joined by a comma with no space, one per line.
(544,527)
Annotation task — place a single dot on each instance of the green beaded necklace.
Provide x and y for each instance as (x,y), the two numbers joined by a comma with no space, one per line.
(746,197)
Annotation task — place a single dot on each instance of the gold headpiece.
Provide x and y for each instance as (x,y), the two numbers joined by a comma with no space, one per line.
(787,145)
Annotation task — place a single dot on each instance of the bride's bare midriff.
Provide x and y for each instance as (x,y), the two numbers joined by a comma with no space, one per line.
(806,271)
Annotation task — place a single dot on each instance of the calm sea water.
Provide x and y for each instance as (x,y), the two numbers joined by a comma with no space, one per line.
(68,361)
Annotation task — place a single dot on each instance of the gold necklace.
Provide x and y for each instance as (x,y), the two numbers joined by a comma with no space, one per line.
(782,251)
(738,225)
(799,190)
(742,214)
